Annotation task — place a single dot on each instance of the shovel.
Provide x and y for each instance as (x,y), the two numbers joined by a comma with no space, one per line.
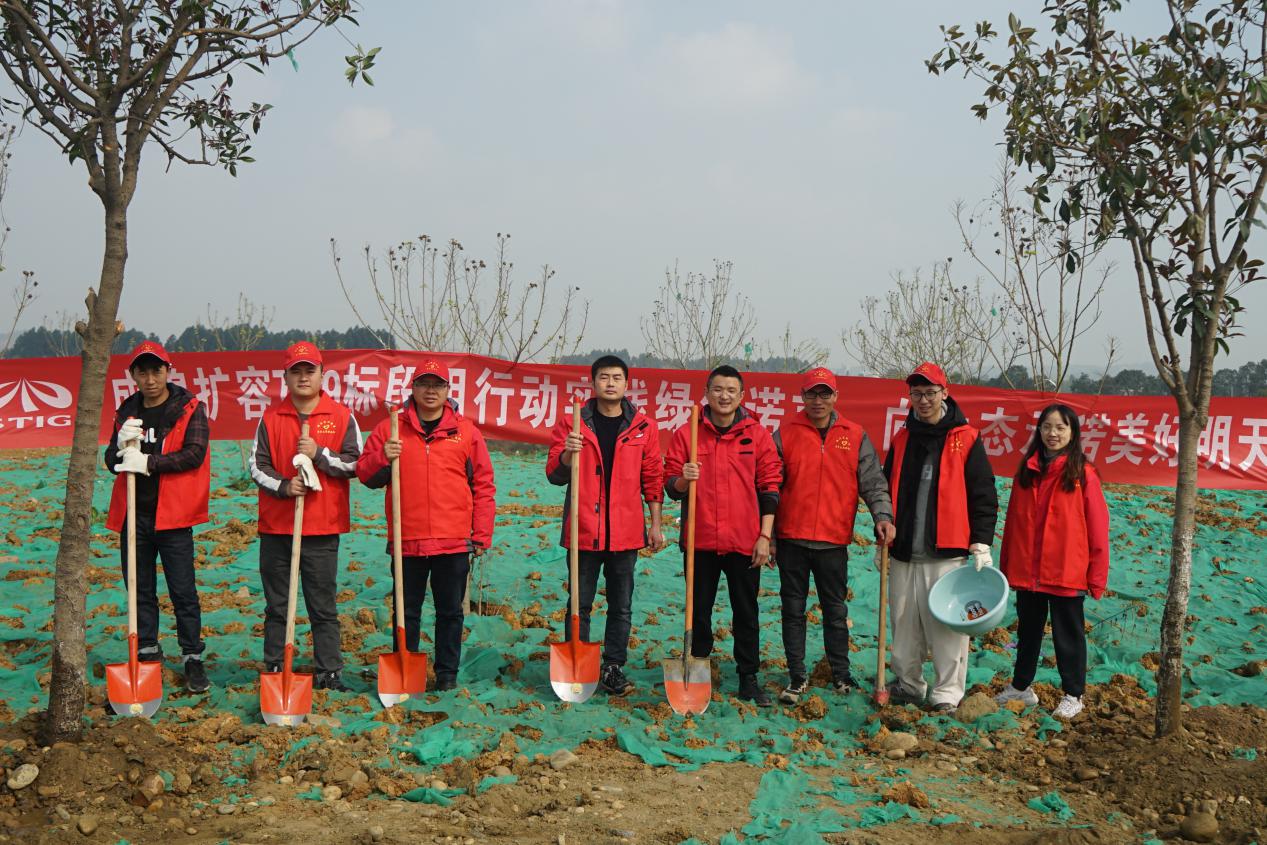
(286,696)
(881,696)
(133,688)
(688,680)
(574,665)
(401,673)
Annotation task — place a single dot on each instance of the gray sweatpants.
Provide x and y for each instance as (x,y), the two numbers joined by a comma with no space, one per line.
(318,581)
(916,632)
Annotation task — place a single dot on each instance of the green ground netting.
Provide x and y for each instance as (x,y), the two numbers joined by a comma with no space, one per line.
(507,677)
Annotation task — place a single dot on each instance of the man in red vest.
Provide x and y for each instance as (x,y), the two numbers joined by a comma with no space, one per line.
(160,436)
(621,469)
(285,465)
(447,507)
(946,507)
(828,461)
(737,475)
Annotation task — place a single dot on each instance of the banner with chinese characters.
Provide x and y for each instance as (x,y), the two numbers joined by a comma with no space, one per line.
(1132,439)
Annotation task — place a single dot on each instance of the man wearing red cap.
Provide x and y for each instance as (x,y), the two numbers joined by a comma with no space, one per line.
(946,507)
(828,461)
(160,436)
(447,507)
(285,464)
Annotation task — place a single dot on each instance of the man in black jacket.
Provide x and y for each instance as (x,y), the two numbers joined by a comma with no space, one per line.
(945,508)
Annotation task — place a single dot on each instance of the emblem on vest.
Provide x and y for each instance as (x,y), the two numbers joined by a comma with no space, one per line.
(842,442)
(955,443)
(455,437)
(325,427)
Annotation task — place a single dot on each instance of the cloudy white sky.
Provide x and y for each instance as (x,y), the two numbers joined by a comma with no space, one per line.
(803,141)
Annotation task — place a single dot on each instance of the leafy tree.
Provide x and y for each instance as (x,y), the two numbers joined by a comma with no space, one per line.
(1157,141)
(105,81)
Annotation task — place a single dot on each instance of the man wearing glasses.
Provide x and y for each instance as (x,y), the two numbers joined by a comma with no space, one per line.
(945,503)
(738,475)
(827,462)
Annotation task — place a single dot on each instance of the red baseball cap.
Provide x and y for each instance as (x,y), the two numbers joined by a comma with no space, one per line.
(149,347)
(302,352)
(931,373)
(819,377)
(432,367)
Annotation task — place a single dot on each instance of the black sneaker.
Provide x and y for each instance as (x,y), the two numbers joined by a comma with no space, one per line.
(196,675)
(613,680)
(330,680)
(844,685)
(796,687)
(899,695)
(750,690)
(445,683)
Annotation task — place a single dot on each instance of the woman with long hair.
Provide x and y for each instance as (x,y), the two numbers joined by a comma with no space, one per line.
(1055,552)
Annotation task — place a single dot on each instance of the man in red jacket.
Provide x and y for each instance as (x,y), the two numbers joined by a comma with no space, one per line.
(945,506)
(161,436)
(285,465)
(828,461)
(738,475)
(447,507)
(621,469)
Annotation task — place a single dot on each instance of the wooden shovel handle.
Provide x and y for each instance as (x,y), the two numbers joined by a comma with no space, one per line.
(398,574)
(131,540)
(690,523)
(296,540)
(574,526)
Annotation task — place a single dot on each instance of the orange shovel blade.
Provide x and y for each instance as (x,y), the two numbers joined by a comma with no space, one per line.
(400,675)
(134,688)
(285,697)
(688,684)
(574,669)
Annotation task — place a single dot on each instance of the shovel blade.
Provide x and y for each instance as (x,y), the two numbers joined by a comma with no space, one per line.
(574,669)
(688,684)
(285,698)
(134,689)
(401,674)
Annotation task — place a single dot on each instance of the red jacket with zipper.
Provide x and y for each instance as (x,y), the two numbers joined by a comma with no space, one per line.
(182,496)
(819,500)
(1055,540)
(637,476)
(326,510)
(447,494)
(737,470)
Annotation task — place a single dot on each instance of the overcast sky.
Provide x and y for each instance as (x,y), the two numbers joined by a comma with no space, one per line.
(805,142)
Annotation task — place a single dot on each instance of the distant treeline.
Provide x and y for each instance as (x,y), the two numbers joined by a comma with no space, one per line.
(42,342)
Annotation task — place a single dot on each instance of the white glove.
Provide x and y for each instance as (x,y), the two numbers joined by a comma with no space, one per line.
(130,434)
(131,460)
(307,472)
(980,555)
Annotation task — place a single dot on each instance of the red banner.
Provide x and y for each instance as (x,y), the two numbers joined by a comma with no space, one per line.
(1132,439)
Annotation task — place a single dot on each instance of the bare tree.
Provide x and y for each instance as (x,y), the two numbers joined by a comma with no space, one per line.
(23,291)
(1053,300)
(441,299)
(933,319)
(243,331)
(701,319)
(786,354)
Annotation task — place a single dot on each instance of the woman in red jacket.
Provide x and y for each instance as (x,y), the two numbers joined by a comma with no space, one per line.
(1055,552)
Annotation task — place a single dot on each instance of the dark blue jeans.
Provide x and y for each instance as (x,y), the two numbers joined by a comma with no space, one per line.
(176,548)
(448,587)
(618,571)
(830,568)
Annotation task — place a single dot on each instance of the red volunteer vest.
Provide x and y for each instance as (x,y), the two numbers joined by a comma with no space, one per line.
(182,496)
(1045,538)
(819,500)
(436,502)
(325,511)
(953,531)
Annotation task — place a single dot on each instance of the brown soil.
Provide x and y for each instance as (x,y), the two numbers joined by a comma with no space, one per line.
(1106,765)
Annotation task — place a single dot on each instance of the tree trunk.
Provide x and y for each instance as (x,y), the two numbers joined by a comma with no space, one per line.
(66,690)
(1169,715)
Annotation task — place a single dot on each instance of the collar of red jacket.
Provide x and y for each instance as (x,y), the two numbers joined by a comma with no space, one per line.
(743,419)
(325,407)
(1035,461)
(802,418)
(448,419)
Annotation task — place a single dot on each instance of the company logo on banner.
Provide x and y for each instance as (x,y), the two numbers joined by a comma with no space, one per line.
(33,404)
(1131,439)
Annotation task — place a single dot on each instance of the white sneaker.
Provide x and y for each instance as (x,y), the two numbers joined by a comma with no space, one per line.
(1026,696)
(1068,707)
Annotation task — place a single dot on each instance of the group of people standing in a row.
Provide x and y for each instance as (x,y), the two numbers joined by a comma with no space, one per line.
(787,500)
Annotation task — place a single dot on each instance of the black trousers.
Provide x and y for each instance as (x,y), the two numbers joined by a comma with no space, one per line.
(176,548)
(618,571)
(742,580)
(318,579)
(830,568)
(1067,635)
(447,574)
